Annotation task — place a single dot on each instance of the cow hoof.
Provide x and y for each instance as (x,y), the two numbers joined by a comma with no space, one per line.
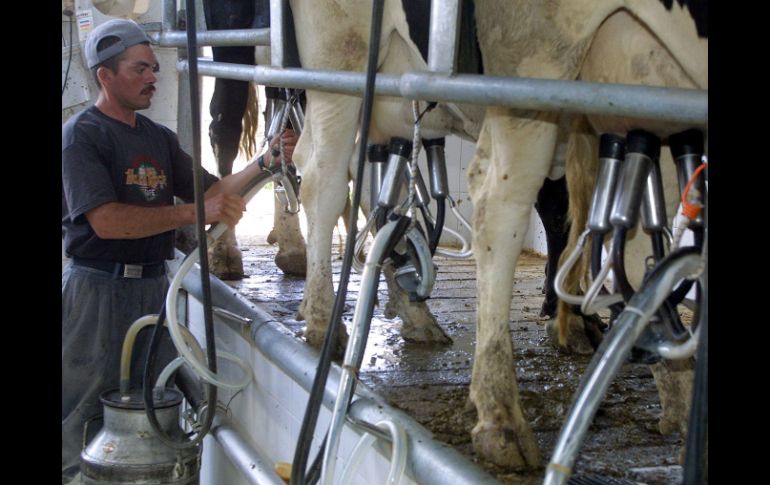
(227,270)
(425,334)
(391,309)
(272,238)
(548,309)
(500,446)
(577,340)
(225,258)
(316,339)
(668,425)
(291,262)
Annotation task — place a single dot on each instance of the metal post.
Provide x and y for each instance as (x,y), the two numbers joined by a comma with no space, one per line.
(168,15)
(443,41)
(278,19)
(183,110)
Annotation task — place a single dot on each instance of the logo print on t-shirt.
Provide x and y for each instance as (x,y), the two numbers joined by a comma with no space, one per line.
(150,179)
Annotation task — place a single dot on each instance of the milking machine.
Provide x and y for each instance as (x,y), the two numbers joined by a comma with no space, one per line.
(141,440)
(648,328)
(390,175)
(283,106)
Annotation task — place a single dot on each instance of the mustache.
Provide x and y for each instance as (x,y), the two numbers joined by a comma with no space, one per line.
(148,89)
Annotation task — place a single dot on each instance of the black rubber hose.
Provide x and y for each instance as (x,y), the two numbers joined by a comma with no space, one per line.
(429,226)
(322,372)
(147,385)
(678,295)
(435,234)
(658,251)
(314,473)
(696,451)
(597,245)
(666,312)
(380,217)
(200,211)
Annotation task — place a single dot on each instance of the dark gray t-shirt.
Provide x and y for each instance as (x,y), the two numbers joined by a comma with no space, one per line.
(105,160)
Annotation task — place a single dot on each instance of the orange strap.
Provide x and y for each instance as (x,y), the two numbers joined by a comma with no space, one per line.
(691,211)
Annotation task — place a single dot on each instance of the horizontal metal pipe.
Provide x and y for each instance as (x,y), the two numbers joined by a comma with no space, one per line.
(252,464)
(671,104)
(345,82)
(430,462)
(683,105)
(217,38)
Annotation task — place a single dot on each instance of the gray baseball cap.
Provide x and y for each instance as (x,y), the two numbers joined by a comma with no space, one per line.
(127,31)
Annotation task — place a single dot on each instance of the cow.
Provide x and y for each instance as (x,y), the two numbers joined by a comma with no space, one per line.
(632,42)
(234,110)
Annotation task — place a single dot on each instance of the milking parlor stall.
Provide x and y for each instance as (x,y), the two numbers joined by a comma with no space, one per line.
(519,278)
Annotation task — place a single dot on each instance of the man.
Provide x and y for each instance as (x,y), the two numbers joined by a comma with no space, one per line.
(120,172)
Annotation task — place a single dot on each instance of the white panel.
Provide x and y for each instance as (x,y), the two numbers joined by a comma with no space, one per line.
(164,101)
(297,401)
(77,90)
(535,239)
(459,154)
(269,413)
(468,151)
(453,153)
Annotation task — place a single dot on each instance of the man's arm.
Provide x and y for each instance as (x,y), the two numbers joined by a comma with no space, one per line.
(233,183)
(115,220)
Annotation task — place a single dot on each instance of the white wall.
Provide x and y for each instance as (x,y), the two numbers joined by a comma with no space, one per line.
(459,153)
(81,90)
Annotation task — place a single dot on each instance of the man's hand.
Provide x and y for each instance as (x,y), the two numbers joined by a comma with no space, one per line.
(273,155)
(227,208)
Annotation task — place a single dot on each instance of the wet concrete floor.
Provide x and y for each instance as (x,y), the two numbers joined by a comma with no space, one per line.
(430,383)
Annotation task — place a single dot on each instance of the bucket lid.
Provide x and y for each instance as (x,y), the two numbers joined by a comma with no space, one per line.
(115,399)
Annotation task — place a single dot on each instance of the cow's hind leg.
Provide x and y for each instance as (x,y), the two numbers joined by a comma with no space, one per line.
(580,334)
(228,104)
(551,206)
(512,159)
(322,154)
(291,257)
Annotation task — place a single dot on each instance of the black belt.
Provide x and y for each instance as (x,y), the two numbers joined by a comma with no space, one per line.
(123,270)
